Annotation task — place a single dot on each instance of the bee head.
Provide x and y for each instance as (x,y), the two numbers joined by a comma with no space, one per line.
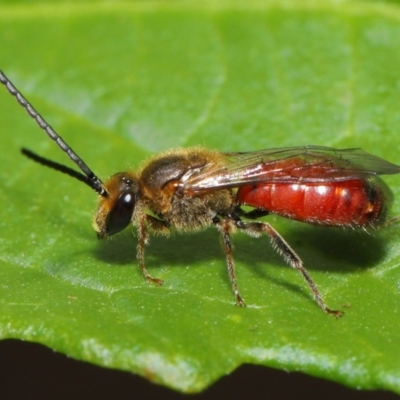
(116,208)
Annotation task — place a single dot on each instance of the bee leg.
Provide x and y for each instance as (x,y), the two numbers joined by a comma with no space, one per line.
(226,226)
(142,241)
(283,248)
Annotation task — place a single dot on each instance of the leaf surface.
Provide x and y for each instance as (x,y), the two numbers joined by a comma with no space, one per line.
(120,81)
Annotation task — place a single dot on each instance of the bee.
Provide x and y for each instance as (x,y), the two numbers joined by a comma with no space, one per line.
(188,190)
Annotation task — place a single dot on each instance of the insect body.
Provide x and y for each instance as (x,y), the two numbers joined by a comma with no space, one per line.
(187,190)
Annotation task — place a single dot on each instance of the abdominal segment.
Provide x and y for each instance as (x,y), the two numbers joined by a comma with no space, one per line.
(353,203)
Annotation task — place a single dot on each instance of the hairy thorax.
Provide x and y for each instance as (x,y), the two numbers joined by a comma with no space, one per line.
(162,187)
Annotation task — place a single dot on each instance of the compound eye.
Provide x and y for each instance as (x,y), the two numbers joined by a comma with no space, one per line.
(121,214)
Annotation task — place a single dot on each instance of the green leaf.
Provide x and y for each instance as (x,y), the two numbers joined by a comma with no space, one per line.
(120,81)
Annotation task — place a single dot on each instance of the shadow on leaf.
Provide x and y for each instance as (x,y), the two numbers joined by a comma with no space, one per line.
(321,248)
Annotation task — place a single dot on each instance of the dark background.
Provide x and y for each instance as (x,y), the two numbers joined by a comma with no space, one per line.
(32,371)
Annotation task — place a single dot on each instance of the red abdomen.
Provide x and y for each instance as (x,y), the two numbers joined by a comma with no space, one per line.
(355,203)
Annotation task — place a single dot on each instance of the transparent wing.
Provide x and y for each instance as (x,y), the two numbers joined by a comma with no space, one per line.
(307,164)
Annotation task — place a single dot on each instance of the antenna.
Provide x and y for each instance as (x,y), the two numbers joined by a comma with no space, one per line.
(88,176)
